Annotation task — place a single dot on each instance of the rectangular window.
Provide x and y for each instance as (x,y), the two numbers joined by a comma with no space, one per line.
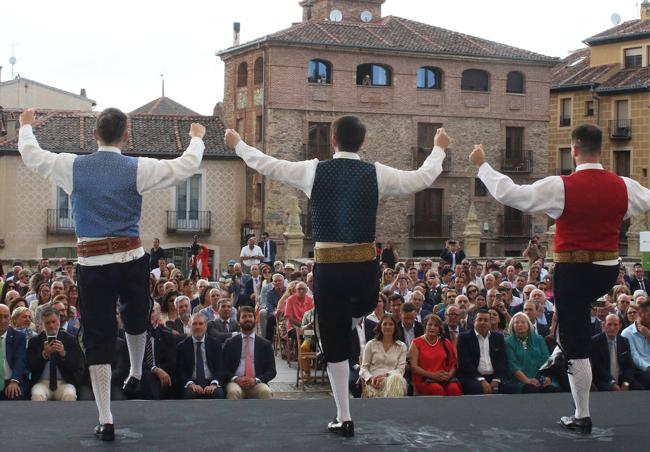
(589,108)
(514,143)
(633,57)
(622,163)
(318,145)
(426,133)
(187,203)
(480,189)
(63,210)
(565,112)
(566,162)
(259,129)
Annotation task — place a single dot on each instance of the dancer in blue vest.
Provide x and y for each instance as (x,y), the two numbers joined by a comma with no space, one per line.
(344,195)
(106,189)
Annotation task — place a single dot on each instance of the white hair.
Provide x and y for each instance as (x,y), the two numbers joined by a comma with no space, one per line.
(511,325)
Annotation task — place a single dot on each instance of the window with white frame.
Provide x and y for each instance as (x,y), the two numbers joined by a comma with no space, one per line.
(188,197)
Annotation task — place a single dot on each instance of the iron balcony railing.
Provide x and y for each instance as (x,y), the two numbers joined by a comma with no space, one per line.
(191,221)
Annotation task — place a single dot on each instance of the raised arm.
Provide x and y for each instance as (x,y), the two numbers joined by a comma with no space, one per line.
(638,198)
(299,175)
(56,168)
(393,182)
(154,174)
(545,195)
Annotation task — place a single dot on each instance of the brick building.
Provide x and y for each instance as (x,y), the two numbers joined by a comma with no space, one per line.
(607,84)
(404,79)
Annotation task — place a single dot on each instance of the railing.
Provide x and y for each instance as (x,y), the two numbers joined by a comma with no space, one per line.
(192,221)
(565,121)
(430,226)
(620,129)
(519,161)
(60,221)
(515,227)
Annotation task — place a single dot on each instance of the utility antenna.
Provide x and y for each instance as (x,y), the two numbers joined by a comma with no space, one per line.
(162,78)
(12,59)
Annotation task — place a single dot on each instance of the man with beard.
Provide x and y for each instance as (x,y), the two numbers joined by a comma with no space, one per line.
(181,326)
(249,363)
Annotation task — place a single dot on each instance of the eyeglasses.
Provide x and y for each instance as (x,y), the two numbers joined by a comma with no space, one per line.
(472,291)
(266,271)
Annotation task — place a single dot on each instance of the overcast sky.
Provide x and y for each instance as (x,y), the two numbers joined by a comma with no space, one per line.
(117,49)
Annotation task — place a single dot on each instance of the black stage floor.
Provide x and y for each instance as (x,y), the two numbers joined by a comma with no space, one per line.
(469,423)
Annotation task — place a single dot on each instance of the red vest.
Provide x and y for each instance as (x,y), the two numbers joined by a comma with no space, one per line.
(595,202)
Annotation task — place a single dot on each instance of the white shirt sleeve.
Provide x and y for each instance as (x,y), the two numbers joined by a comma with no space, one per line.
(54,167)
(154,174)
(638,198)
(391,181)
(299,175)
(545,195)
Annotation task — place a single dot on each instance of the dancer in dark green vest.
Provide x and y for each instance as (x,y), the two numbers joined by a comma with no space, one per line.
(344,193)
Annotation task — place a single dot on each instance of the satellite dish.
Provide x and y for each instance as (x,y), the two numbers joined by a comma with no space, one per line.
(336,15)
(366,16)
(616,18)
(12,60)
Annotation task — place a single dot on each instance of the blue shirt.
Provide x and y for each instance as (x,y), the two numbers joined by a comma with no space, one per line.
(639,347)
(270,298)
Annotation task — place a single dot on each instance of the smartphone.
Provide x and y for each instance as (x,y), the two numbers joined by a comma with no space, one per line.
(51,339)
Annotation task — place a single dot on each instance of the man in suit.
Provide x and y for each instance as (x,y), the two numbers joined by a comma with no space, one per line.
(249,363)
(452,254)
(181,326)
(53,359)
(482,358)
(611,360)
(452,328)
(408,327)
(199,367)
(223,326)
(119,372)
(363,332)
(269,249)
(13,359)
(639,281)
(531,311)
(155,254)
(159,362)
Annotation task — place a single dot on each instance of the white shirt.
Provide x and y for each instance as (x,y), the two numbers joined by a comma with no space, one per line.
(547,195)
(255,254)
(152,174)
(300,175)
(3,344)
(206,369)
(485,363)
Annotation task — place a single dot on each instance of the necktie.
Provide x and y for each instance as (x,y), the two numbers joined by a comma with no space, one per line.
(454,334)
(613,360)
(642,285)
(200,370)
(226,326)
(2,364)
(248,368)
(453,261)
(266,251)
(53,382)
(148,354)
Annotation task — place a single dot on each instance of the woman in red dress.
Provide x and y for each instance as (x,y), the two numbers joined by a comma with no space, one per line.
(434,361)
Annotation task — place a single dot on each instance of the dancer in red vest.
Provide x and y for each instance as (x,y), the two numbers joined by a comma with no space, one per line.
(588,206)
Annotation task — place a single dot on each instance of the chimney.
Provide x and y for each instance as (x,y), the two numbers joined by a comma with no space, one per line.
(236,27)
(645,10)
(83,92)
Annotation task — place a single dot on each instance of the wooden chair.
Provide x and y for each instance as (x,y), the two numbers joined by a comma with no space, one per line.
(308,371)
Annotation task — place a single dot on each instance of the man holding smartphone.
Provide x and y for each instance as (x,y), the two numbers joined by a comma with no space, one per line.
(452,254)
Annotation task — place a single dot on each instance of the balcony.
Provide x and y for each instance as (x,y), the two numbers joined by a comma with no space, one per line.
(620,129)
(427,227)
(565,121)
(519,161)
(60,222)
(514,227)
(191,222)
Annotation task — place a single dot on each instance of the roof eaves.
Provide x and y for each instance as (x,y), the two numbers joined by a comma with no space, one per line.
(617,38)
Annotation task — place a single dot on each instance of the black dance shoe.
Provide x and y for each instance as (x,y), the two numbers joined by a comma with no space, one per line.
(554,365)
(131,386)
(345,429)
(105,432)
(583,425)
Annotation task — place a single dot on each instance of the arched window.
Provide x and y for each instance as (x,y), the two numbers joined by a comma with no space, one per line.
(242,75)
(429,78)
(319,71)
(475,80)
(515,83)
(373,75)
(258,71)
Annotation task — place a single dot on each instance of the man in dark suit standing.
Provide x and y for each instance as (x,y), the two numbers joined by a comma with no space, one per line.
(364,331)
(639,281)
(269,249)
(482,358)
(249,362)
(13,359)
(199,366)
(223,326)
(452,254)
(156,253)
(611,360)
(53,359)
